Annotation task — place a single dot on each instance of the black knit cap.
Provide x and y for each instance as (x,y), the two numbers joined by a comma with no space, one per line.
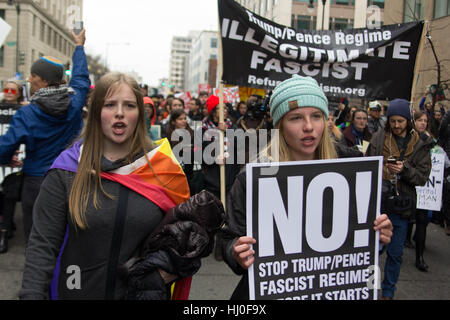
(49,69)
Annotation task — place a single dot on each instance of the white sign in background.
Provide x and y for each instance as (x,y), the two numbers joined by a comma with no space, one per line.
(429,197)
(5,29)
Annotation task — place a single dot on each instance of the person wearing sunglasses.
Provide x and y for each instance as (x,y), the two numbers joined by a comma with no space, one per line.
(13,94)
(10,185)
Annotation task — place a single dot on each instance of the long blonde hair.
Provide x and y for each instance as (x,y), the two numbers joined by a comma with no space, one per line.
(325,149)
(89,166)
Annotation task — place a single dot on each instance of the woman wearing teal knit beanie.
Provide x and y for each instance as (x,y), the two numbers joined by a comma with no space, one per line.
(299,110)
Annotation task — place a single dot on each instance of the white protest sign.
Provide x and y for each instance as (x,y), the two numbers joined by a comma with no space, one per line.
(429,197)
(313,225)
(5,29)
(6,114)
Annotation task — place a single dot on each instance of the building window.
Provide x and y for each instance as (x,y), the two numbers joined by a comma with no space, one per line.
(351,24)
(301,22)
(42,33)
(213,43)
(441,8)
(413,10)
(340,24)
(378,3)
(34,25)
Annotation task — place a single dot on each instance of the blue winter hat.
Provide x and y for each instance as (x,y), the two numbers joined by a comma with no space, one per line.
(297,92)
(399,107)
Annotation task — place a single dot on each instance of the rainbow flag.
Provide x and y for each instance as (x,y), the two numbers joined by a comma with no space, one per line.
(163,183)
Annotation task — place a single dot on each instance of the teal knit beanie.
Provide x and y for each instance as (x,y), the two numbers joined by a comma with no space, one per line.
(297,92)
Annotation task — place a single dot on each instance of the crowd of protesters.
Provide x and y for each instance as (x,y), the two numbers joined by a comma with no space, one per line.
(84,168)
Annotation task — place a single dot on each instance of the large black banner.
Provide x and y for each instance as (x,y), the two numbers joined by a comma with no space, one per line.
(370,63)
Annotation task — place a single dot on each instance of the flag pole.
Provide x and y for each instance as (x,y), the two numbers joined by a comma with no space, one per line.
(221,119)
(418,64)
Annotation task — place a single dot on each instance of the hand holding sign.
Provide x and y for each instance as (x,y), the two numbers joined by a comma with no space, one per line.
(384,225)
(15,162)
(243,252)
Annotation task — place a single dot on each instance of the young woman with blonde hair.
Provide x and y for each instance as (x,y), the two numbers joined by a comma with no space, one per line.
(299,110)
(102,197)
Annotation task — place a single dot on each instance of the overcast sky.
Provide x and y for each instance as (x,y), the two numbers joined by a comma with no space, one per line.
(148,27)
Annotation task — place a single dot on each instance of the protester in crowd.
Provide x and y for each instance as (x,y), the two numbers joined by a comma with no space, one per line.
(254,119)
(11,184)
(339,142)
(144,89)
(174,104)
(166,107)
(421,217)
(178,131)
(421,125)
(375,121)
(444,142)
(336,134)
(48,124)
(241,110)
(211,169)
(341,113)
(101,199)
(406,164)
(13,93)
(195,110)
(203,97)
(347,119)
(357,132)
(151,118)
(427,107)
(299,110)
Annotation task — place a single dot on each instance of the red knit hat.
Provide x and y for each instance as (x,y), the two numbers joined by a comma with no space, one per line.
(211,103)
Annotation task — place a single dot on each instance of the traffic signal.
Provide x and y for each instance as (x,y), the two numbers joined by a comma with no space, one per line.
(21,58)
(67,70)
(163,84)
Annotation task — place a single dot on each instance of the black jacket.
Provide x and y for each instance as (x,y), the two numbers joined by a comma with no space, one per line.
(185,235)
(417,165)
(444,134)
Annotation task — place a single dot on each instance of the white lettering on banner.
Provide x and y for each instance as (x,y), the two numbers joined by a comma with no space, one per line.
(359,39)
(314,211)
(363,187)
(4,128)
(401,49)
(271,208)
(301,53)
(7,112)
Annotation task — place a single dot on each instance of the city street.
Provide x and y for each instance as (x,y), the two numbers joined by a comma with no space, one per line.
(215,281)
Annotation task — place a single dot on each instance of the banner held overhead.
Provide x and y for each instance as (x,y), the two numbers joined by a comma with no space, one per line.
(358,63)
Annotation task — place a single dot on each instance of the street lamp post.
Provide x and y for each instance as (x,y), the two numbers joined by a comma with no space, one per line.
(311,7)
(323,13)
